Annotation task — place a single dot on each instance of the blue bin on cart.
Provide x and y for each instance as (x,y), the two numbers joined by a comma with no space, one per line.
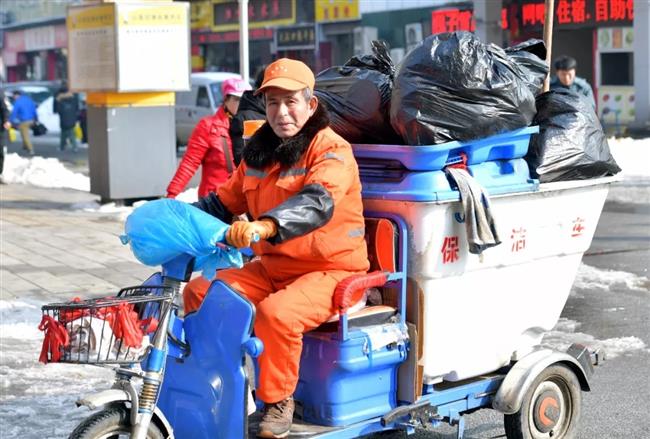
(415,173)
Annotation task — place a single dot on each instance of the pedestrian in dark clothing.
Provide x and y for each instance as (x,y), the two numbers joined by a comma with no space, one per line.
(251,107)
(23,116)
(565,77)
(4,131)
(66,104)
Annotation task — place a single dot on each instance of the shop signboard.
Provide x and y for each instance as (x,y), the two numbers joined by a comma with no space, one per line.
(261,13)
(129,47)
(528,15)
(578,13)
(295,37)
(336,10)
(200,14)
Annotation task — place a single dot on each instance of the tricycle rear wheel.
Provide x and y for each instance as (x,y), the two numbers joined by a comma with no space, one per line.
(550,408)
(110,423)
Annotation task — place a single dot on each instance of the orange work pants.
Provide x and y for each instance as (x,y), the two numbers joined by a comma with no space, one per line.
(285,310)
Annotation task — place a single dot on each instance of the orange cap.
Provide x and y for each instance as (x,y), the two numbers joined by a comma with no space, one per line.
(287,74)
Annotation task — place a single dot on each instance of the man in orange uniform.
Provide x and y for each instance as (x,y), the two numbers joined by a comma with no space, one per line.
(300,183)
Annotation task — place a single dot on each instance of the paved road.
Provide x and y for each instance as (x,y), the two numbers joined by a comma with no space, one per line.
(49,251)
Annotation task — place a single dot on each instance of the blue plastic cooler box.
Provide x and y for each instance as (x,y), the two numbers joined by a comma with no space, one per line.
(510,145)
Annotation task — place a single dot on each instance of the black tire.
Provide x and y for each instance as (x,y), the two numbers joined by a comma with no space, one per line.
(110,423)
(550,408)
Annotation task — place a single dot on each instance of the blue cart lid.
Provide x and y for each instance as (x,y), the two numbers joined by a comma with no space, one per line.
(497,177)
(510,145)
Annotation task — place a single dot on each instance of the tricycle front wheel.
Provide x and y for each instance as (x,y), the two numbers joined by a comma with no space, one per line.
(550,408)
(110,423)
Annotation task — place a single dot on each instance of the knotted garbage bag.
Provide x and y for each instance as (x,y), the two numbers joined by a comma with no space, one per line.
(357,96)
(160,230)
(454,87)
(531,57)
(571,144)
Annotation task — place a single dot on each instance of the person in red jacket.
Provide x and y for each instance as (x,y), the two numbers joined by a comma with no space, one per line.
(210,145)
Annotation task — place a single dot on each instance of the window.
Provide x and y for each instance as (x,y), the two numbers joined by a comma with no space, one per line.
(184,98)
(202,99)
(215,88)
(617,68)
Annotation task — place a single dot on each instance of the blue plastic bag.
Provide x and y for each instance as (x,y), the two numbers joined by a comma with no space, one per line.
(161,230)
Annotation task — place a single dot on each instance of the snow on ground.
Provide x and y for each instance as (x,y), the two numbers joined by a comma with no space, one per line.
(564,334)
(591,278)
(42,172)
(633,157)
(37,400)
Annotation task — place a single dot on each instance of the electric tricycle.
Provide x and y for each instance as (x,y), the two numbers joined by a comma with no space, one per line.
(447,332)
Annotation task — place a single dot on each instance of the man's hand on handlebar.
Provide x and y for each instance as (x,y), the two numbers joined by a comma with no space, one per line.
(243,233)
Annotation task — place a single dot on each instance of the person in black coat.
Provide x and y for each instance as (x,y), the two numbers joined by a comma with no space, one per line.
(66,104)
(251,107)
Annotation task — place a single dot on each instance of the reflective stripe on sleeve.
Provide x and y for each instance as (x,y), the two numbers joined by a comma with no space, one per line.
(355,233)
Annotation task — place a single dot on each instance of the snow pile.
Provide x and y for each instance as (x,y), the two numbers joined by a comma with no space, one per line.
(119,212)
(591,278)
(42,172)
(632,156)
(189,196)
(563,335)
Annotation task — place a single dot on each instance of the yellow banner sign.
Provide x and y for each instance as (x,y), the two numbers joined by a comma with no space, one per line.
(91,18)
(337,10)
(170,15)
(201,14)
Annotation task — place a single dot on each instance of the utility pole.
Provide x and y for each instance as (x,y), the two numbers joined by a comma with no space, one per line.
(243,39)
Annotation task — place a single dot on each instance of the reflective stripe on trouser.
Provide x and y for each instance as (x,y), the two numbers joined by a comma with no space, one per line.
(284,311)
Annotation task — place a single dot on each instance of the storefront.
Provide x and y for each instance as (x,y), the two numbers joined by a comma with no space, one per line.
(215,32)
(340,32)
(36,52)
(599,35)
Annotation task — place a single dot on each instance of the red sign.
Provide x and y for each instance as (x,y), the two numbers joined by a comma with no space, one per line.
(580,12)
(518,237)
(450,249)
(578,227)
(227,13)
(531,14)
(449,20)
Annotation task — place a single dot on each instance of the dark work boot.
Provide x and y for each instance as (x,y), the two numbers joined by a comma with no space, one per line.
(277,419)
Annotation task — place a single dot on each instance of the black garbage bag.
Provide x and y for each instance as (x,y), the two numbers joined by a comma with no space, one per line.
(454,87)
(531,57)
(357,96)
(571,144)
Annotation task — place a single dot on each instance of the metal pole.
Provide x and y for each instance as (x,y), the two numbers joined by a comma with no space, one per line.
(549,12)
(243,39)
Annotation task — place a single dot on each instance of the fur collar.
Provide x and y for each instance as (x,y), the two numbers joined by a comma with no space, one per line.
(265,148)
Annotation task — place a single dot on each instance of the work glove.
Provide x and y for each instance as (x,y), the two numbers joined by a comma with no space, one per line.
(242,233)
